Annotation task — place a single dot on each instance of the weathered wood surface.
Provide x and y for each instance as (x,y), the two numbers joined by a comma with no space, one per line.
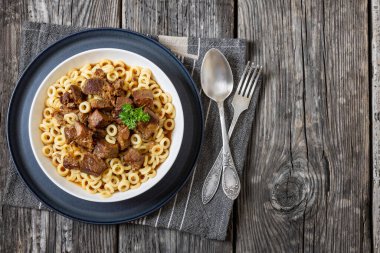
(24,230)
(306,187)
(194,18)
(375,19)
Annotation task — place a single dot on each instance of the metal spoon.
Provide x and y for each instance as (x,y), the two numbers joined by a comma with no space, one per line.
(217,84)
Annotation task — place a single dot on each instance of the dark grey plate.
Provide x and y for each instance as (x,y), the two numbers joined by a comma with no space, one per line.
(47,191)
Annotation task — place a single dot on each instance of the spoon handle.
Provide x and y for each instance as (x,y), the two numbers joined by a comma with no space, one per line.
(230,178)
(211,183)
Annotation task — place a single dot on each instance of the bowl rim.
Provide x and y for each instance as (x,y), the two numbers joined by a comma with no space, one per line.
(164,168)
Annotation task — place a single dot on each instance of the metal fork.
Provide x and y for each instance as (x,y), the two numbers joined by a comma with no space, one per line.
(240,103)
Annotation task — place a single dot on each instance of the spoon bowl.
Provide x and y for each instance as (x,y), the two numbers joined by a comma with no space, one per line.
(216,78)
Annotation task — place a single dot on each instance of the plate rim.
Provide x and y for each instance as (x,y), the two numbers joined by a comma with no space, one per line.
(42,53)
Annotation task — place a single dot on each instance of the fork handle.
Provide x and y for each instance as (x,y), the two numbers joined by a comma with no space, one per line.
(233,123)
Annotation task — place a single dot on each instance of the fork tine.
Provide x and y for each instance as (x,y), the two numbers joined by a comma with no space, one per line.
(255,82)
(243,75)
(249,81)
(241,92)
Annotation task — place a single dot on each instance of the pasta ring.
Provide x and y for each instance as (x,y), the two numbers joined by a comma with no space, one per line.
(110,139)
(169,124)
(84,107)
(47,138)
(112,75)
(123,186)
(165,142)
(114,161)
(47,150)
(111,130)
(136,139)
(157,150)
(133,178)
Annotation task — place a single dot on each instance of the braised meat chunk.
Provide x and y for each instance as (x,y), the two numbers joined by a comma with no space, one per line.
(71,100)
(70,108)
(100,134)
(103,149)
(83,136)
(123,137)
(93,165)
(143,98)
(59,118)
(117,120)
(118,84)
(120,101)
(118,88)
(134,158)
(67,103)
(77,94)
(100,73)
(69,162)
(65,98)
(149,128)
(101,104)
(80,134)
(83,117)
(70,133)
(98,119)
(119,92)
(108,92)
(93,86)
(153,117)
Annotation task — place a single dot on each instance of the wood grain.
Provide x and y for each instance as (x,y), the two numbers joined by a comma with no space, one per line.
(31,230)
(183,18)
(10,18)
(191,18)
(306,187)
(74,13)
(375,106)
(307,183)
(137,238)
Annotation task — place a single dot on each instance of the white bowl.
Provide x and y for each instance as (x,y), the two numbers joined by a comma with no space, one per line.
(78,60)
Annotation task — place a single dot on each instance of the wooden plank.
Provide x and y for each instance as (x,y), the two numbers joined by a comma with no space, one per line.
(32,230)
(75,13)
(375,61)
(10,19)
(95,238)
(192,18)
(24,230)
(183,18)
(307,186)
(137,238)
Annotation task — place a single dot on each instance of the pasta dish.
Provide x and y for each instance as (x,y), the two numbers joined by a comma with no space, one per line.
(107,126)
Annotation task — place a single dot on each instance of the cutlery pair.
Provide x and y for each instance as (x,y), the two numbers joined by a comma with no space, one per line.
(217,84)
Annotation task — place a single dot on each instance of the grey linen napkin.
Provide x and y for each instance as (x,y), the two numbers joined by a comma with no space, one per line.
(185,212)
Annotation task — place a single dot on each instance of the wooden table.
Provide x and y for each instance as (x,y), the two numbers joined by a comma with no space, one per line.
(307,183)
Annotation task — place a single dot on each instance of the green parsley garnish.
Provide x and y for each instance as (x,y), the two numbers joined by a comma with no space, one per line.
(130,116)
